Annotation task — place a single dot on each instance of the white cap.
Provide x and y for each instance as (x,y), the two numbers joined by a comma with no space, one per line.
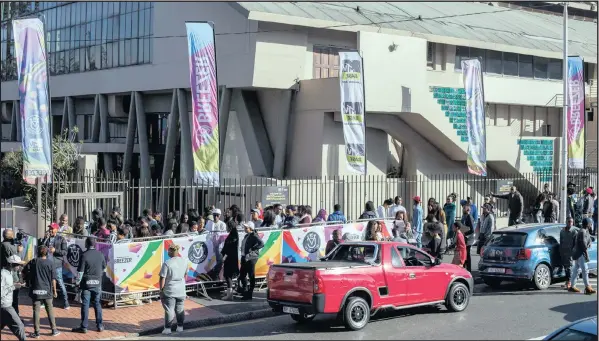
(216,211)
(14,259)
(249,225)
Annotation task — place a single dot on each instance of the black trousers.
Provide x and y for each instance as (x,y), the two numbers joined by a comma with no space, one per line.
(15,300)
(248,269)
(11,319)
(468,263)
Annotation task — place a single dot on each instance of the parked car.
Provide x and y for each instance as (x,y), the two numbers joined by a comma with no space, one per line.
(581,330)
(526,253)
(358,279)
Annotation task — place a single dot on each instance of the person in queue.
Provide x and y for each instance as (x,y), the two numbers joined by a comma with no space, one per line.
(116,217)
(93,227)
(102,232)
(397,206)
(112,237)
(122,236)
(217,224)
(230,254)
(371,229)
(9,317)
(90,273)
(368,211)
(321,216)
(460,255)
(336,240)
(171,229)
(291,219)
(250,251)
(173,276)
(279,216)
(269,220)
(40,276)
(306,215)
(487,226)
(449,208)
(255,217)
(79,227)
(180,227)
(434,244)
(384,210)
(63,224)
(57,250)
(580,255)
(401,227)
(417,223)
(337,215)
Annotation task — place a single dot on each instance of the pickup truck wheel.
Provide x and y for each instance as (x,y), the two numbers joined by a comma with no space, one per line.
(458,297)
(303,318)
(356,313)
(542,277)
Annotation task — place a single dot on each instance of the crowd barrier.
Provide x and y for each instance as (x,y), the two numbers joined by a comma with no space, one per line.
(133,268)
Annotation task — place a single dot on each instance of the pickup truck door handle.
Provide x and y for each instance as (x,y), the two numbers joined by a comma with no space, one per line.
(412,275)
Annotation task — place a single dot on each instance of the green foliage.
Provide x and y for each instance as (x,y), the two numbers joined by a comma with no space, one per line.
(65,154)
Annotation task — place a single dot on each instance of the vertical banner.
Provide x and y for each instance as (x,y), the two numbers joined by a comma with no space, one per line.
(204,98)
(576,113)
(30,50)
(475,117)
(351,82)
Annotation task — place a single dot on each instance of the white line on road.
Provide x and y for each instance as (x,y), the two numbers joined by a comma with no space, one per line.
(539,338)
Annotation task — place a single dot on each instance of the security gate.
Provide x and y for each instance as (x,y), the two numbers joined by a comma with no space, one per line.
(82,204)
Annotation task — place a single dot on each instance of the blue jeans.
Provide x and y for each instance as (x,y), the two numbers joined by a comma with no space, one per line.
(61,288)
(418,237)
(173,309)
(93,295)
(581,264)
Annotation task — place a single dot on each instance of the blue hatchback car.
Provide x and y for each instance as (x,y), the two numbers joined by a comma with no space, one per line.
(527,252)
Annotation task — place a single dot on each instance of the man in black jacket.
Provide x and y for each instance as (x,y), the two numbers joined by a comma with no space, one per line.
(515,205)
(90,273)
(250,250)
(57,250)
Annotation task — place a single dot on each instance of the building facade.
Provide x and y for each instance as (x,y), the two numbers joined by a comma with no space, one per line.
(119,72)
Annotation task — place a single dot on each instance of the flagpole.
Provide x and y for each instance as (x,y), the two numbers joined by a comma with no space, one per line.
(564,168)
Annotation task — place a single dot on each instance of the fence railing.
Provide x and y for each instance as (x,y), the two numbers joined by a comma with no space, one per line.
(86,192)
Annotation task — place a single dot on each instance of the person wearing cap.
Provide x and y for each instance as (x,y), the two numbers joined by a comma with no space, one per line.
(9,317)
(255,217)
(588,203)
(90,272)
(580,255)
(57,250)
(487,226)
(417,222)
(216,225)
(515,205)
(250,251)
(40,277)
(173,276)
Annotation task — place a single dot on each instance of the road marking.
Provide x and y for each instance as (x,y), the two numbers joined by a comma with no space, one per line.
(539,338)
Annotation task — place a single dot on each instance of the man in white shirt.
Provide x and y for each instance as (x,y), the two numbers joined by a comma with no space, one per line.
(383,211)
(397,207)
(217,225)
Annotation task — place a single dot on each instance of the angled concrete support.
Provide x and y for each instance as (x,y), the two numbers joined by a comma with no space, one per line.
(224,108)
(172,135)
(280,148)
(65,118)
(145,193)
(15,122)
(186,169)
(130,139)
(105,131)
(96,122)
(72,116)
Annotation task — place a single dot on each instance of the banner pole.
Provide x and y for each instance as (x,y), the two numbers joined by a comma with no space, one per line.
(564,168)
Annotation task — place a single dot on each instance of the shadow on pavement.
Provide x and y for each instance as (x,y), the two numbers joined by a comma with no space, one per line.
(576,311)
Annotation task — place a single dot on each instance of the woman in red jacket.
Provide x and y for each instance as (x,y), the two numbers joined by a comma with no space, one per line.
(459,257)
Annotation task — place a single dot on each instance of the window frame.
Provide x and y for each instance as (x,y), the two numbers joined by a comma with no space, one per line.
(331,67)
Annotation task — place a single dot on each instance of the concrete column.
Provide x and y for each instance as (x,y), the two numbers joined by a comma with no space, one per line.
(172,135)
(105,131)
(223,112)
(96,123)
(280,148)
(130,139)
(72,116)
(144,153)
(65,118)
(15,131)
(186,169)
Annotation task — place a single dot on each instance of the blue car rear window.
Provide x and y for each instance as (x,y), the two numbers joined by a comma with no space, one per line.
(512,239)
(574,335)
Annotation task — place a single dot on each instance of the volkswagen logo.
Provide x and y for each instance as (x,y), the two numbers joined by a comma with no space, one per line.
(74,255)
(312,242)
(198,252)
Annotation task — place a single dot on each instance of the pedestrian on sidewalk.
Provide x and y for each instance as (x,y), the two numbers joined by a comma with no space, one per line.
(515,205)
(230,254)
(9,316)
(90,272)
(567,236)
(337,215)
(57,250)
(39,275)
(459,257)
(581,257)
(250,251)
(417,223)
(173,276)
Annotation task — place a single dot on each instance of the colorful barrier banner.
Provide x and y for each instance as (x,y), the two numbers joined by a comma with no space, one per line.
(351,82)
(576,113)
(29,244)
(30,51)
(76,248)
(137,266)
(204,98)
(475,117)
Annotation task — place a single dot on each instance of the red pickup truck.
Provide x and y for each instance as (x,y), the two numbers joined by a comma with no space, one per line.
(358,279)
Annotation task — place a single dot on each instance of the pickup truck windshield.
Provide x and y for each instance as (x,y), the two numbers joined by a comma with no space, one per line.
(354,253)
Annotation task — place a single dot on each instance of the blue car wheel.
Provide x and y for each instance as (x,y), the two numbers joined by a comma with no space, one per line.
(542,277)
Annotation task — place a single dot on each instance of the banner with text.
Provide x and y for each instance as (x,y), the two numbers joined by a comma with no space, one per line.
(75,249)
(475,117)
(137,266)
(31,58)
(204,98)
(351,82)
(576,113)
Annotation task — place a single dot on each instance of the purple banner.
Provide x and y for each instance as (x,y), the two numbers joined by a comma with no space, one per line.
(30,50)
(204,97)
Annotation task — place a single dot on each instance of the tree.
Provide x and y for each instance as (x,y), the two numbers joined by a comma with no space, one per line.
(65,154)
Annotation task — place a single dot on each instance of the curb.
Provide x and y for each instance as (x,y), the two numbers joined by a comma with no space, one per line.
(208,322)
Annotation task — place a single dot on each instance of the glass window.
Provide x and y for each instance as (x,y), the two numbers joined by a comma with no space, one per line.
(414,257)
(461,52)
(123,26)
(480,54)
(507,239)
(121,53)
(135,24)
(510,64)
(128,52)
(128,30)
(525,66)
(494,62)
(82,11)
(135,51)
(430,54)
(395,259)
(541,67)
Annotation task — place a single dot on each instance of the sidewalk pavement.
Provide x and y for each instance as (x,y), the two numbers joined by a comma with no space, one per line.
(141,320)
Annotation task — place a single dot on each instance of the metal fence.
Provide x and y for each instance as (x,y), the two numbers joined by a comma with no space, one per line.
(80,194)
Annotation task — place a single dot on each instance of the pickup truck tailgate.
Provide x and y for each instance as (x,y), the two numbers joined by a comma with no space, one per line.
(287,282)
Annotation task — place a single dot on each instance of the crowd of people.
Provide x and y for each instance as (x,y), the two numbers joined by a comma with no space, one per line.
(435,227)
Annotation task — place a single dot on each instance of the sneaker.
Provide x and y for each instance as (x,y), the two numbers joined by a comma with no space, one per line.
(55,332)
(167,331)
(79,330)
(100,329)
(574,289)
(67,308)
(34,335)
(179,329)
(589,290)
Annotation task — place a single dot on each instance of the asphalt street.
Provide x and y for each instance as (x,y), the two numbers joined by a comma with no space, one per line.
(512,312)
